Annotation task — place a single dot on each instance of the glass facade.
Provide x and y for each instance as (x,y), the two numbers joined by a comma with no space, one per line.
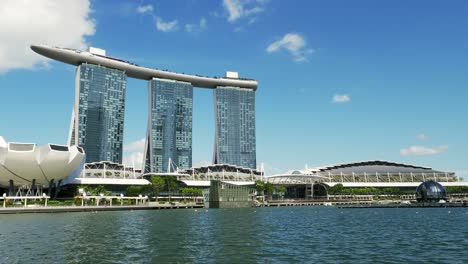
(98,122)
(235,142)
(430,191)
(169,134)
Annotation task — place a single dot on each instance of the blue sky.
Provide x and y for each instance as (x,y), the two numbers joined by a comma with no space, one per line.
(339,81)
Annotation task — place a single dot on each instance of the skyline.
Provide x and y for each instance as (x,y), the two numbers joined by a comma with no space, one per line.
(345,82)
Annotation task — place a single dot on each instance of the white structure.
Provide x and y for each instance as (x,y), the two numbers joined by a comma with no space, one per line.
(110,181)
(374,173)
(231,74)
(109,174)
(97,51)
(26,164)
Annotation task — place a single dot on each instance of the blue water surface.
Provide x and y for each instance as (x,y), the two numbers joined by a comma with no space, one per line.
(250,235)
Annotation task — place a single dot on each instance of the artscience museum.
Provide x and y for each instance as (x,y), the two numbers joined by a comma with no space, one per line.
(28,168)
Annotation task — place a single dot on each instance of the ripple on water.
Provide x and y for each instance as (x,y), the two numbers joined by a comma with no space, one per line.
(271,235)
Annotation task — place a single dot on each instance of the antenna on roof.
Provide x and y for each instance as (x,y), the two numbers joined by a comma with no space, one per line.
(262,171)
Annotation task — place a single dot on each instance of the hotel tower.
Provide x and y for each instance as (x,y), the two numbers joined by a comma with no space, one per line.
(98,114)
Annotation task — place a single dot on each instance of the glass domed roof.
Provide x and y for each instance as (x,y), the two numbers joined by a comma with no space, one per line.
(430,191)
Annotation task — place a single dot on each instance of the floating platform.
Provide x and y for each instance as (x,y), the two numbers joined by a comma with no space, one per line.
(313,203)
(401,205)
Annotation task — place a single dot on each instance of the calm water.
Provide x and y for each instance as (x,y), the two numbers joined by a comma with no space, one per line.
(261,235)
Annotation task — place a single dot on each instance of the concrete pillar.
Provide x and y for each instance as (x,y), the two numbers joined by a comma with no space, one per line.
(307,195)
(312,191)
(33,187)
(11,189)
(57,188)
(51,184)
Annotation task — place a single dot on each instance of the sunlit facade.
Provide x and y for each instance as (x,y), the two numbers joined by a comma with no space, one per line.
(235,141)
(169,134)
(98,115)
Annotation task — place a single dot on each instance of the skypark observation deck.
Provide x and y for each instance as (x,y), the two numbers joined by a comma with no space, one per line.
(77,57)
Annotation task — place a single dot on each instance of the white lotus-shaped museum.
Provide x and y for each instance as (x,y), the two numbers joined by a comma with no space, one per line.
(26,163)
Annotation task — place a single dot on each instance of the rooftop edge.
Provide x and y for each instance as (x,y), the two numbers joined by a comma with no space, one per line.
(77,57)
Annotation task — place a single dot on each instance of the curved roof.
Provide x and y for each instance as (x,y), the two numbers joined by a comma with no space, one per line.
(77,57)
(220,168)
(110,181)
(373,166)
(369,167)
(192,183)
(25,162)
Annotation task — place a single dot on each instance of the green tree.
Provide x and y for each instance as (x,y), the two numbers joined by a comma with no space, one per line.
(260,186)
(456,189)
(94,191)
(187,191)
(265,187)
(170,183)
(280,189)
(338,188)
(157,185)
(133,190)
(268,188)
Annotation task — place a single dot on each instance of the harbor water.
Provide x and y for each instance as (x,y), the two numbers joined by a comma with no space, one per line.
(250,235)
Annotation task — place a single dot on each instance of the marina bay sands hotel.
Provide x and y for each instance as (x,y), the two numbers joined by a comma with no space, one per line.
(97,122)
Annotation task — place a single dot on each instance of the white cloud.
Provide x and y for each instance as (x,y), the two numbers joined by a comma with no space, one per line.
(422,136)
(237,9)
(145,8)
(341,98)
(55,22)
(166,26)
(252,20)
(137,145)
(196,28)
(421,150)
(238,29)
(201,163)
(133,153)
(294,43)
(133,159)
(161,25)
(253,11)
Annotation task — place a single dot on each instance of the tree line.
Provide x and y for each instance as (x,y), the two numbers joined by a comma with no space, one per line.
(162,184)
(267,188)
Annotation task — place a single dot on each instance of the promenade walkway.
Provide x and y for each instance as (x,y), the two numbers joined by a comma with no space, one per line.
(64,209)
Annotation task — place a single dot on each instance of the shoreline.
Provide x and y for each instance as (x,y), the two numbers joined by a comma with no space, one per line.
(400,205)
(339,205)
(70,209)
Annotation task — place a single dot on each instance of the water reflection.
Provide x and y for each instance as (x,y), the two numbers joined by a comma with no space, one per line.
(251,235)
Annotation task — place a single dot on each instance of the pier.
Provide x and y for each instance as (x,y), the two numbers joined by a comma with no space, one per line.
(67,209)
(403,205)
(313,203)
